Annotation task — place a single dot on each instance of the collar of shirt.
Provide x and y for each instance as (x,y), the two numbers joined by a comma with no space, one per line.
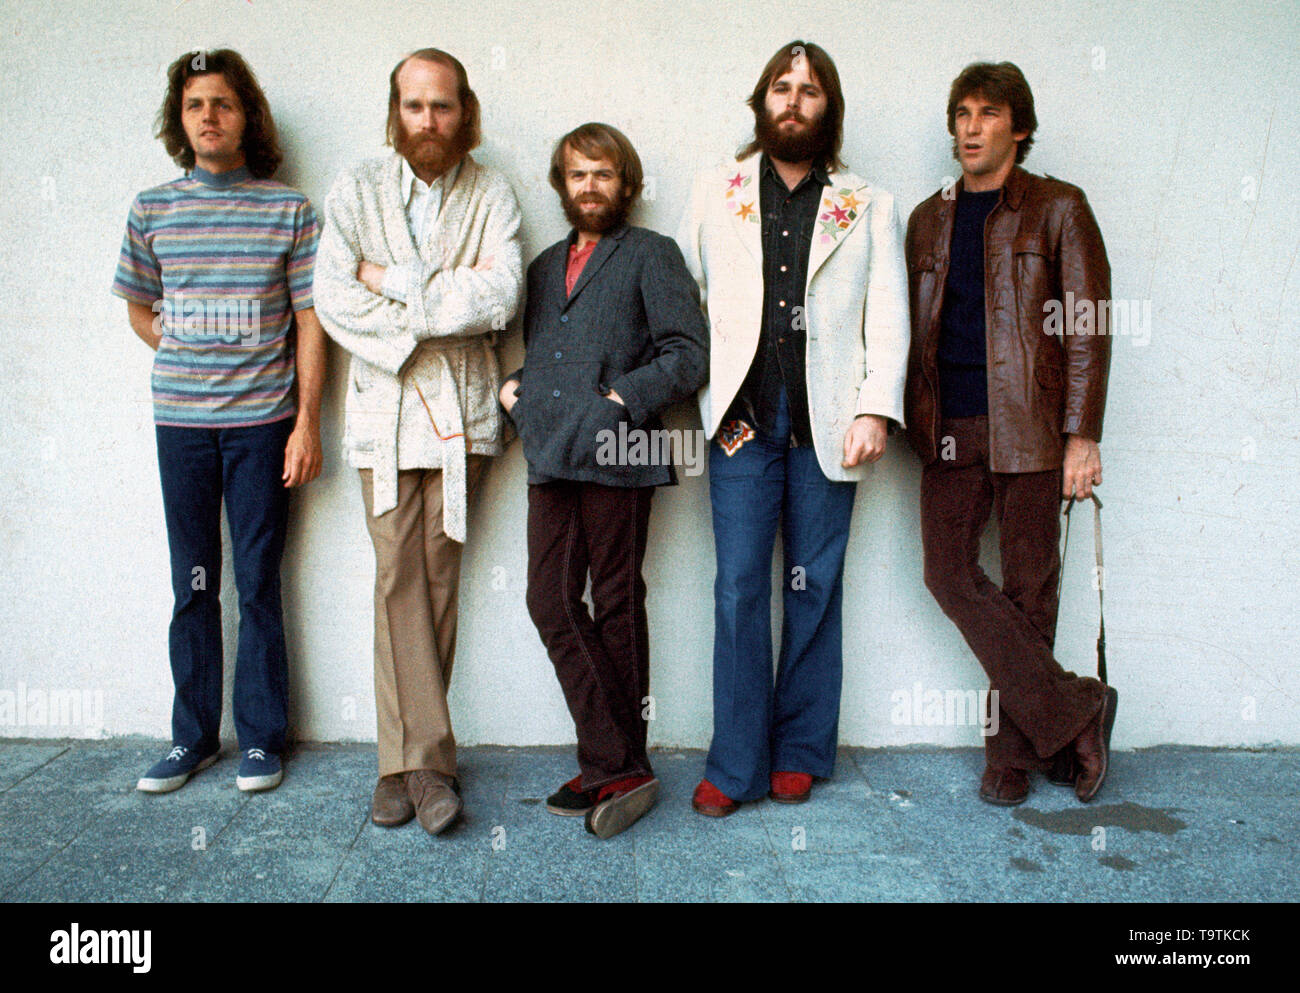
(817,172)
(617,232)
(576,253)
(424,201)
(411,183)
(221,180)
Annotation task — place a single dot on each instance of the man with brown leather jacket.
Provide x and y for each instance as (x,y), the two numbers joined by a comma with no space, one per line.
(1005,411)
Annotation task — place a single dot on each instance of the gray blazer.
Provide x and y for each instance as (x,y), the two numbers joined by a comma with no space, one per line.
(633,325)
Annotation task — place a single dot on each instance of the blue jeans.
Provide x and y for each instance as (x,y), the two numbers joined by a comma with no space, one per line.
(198,466)
(791,726)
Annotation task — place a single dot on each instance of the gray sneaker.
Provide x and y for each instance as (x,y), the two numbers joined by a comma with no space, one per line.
(621,811)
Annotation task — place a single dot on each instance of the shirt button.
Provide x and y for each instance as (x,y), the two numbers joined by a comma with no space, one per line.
(559,355)
(783,268)
(785,234)
(781,304)
(564,318)
(555,393)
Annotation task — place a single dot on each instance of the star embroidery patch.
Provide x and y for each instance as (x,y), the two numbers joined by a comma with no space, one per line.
(732,435)
(839,209)
(738,205)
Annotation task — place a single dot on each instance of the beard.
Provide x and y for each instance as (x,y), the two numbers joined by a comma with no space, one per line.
(609,216)
(813,143)
(430,151)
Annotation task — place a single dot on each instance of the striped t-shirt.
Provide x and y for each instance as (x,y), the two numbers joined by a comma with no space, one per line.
(224,260)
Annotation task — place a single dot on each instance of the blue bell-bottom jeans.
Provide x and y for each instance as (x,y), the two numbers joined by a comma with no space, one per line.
(788,722)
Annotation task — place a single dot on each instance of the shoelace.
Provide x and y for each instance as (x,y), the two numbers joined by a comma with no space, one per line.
(257,754)
(176,754)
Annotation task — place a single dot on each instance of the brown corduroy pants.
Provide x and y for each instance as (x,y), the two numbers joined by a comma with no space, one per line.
(1041,707)
(601,659)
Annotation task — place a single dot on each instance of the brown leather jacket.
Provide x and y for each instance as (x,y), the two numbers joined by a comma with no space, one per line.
(1040,243)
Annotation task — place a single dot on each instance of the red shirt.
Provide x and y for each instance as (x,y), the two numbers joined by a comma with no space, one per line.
(577,262)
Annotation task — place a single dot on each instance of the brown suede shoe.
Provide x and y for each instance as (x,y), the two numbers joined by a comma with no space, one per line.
(1004,787)
(436,798)
(1092,748)
(391,806)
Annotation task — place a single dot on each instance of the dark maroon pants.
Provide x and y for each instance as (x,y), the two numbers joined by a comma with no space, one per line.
(1041,707)
(602,661)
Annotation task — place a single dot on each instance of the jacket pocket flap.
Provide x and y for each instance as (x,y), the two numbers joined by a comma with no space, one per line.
(922,263)
(1033,244)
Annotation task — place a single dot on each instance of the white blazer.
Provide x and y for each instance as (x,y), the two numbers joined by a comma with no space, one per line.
(856,301)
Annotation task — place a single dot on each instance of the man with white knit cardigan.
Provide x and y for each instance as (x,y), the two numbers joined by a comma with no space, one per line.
(419,265)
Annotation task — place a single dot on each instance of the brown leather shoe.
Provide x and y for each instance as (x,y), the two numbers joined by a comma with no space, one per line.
(1004,787)
(391,806)
(1092,748)
(1064,770)
(436,798)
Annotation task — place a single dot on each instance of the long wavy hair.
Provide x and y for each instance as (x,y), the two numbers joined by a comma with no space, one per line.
(260,143)
(823,67)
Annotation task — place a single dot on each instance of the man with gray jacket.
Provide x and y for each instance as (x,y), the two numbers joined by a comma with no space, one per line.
(614,334)
(419,265)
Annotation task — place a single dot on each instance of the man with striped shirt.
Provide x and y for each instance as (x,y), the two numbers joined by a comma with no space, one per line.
(216,269)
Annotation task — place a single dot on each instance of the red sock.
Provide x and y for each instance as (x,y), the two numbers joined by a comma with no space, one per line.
(622,786)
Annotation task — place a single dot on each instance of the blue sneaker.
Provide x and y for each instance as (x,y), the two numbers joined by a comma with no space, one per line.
(173,771)
(259,770)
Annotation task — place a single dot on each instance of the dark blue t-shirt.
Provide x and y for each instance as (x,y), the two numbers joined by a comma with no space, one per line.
(963,378)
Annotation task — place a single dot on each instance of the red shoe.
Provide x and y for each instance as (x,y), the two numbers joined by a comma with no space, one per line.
(790,787)
(711,801)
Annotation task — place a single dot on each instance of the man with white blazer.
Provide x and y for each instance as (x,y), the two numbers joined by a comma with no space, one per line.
(802,278)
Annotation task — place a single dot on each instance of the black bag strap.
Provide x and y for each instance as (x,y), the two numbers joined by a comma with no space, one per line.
(1099,577)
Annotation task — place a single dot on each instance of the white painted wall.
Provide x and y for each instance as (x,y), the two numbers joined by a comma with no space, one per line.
(1179,119)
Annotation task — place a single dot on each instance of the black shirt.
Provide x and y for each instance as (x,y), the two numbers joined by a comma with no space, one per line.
(963,378)
(788,218)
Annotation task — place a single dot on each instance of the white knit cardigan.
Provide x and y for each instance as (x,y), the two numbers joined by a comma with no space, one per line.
(426,370)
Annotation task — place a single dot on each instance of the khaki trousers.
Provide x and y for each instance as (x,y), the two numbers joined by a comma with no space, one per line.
(417,580)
